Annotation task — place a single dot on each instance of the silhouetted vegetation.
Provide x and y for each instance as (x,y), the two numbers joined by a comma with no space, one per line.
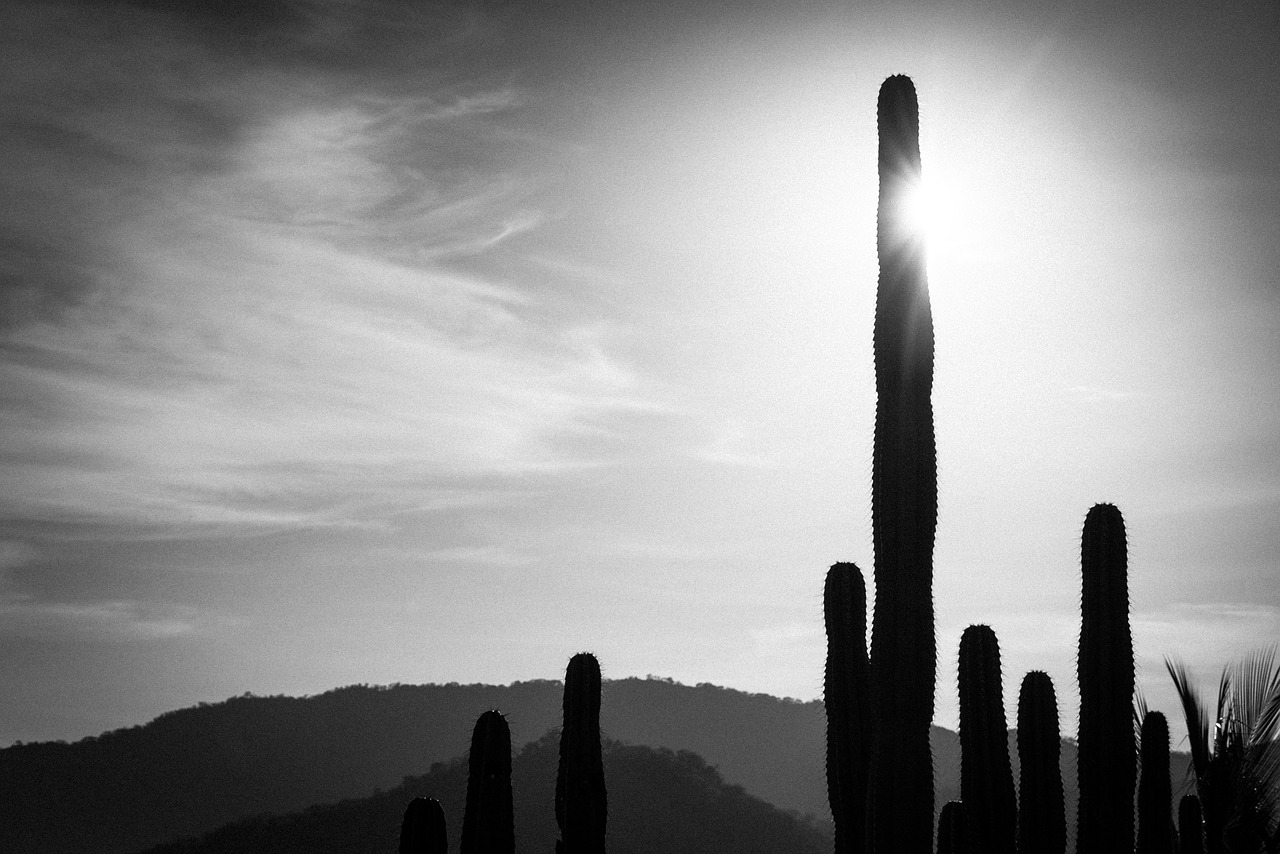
(892,819)
(488,822)
(845,695)
(1155,806)
(423,829)
(986,777)
(582,801)
(1236,768)
(1108,753)
(904,499)
(1042,821)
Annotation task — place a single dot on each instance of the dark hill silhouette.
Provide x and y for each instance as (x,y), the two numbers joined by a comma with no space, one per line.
(196,769)
(659,801)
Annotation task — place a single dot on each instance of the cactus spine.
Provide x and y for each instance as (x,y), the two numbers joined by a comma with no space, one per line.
(1155,793)
(1107,754)
(1042,819)
(1190,826)
(423,828)
(488,826)
(845,697)
(904,499)
(986,779)
(582,805)
(953,830)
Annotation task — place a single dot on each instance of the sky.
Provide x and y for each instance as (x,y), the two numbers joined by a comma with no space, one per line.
(374,341)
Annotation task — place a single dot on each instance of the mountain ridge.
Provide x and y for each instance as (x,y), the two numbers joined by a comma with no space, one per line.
(192,770)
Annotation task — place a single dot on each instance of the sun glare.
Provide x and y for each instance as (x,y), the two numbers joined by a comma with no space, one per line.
(933,208)
(949,217)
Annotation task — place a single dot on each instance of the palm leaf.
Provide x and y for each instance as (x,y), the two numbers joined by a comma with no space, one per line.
(1258,709)
(1193,713)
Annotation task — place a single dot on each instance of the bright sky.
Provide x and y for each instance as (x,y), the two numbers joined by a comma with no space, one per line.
(378,341)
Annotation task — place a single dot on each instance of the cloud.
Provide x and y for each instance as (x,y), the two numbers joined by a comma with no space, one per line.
(243,384)
(112,621)
(252,314)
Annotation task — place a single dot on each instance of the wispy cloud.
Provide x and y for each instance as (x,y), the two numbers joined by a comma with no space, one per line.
(104,621)
(272,336)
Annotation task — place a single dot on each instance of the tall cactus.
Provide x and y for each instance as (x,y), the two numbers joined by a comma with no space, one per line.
(488,826)
(1190,826)
(845,696)
(582,805)
(423,828)
(1107,754)
(1155,793)
(904,498)
(1042,819)
(986,779)
(953,829)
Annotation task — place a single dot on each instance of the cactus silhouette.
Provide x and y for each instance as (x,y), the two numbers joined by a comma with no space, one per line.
(581,801)
(1190,826)
(1042,818)
(953,830)
(1107,753)
(1041,804)
(487,823)
(845,697)
(904,499)
(1155,793)
(423,828)
(986,779)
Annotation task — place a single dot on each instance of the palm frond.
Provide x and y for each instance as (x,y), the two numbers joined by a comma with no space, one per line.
(1266,723)
(1193,712)
(1258,691)
(1224,716)
(1254,680)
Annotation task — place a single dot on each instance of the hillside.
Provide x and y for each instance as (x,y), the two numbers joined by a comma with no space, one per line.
(193,770)
(658,801)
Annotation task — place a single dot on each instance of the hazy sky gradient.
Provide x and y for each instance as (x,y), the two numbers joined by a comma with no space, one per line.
(390,341)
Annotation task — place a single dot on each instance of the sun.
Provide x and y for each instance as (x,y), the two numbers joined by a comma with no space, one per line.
(933,209)
(951,218)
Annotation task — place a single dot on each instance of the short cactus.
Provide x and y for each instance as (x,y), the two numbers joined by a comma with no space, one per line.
(423,828)
(1155,794)
(1190,826)
(845,698)
(1107,753)
(953,830)
(1042,821)
(488,826)
(582,805)
(986,779)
